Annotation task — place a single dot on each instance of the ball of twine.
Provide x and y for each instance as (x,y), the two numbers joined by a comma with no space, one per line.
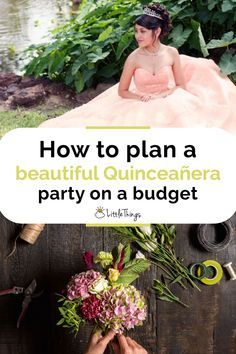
(215,246)
(31,232)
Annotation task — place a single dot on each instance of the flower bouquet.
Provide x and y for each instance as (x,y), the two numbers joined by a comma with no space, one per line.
(105,297)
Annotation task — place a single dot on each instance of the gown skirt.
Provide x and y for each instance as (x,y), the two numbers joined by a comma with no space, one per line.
(209,100)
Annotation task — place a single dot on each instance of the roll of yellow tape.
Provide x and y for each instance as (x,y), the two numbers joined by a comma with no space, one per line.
(218,272)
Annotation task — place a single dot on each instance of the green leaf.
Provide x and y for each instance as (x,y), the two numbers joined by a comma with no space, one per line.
(225,41)
(126,277)
(172,231)
(69,78)
(132,270)
(105,34)
(41,66)
(180,35)
(212,4)
(98,55)
(56,61)
(228,62)
(116,253)
(137,265)
(103,23)
(88,74)
(127,251)
(50,49)
(162,239)
(198,41)
(62,320)
(177,279)
(78,63)
(108,71)
(165,298)
(227,5)
(62,310)
(79,82)
(124,43)
(30,69)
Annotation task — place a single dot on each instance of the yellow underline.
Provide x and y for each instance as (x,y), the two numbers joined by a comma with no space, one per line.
(117,127)
(111,225)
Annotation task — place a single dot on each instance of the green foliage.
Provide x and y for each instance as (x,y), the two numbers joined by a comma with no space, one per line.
(164,293)
(204,28)
(93,46)
(89,48)
(69,314)
(159,243)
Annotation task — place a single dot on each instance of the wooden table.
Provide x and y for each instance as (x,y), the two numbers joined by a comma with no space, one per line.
(207,327)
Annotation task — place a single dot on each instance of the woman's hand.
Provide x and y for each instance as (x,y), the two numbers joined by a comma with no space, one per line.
(97,343)
(145,98)
(127,345)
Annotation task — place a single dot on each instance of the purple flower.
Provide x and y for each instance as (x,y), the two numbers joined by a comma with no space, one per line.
(88,259)
(121,263)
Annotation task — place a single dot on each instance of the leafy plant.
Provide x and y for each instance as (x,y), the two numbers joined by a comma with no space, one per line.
(164,293)
(204,28)
(89,48)
(158,241)
(93,46)
(70,317)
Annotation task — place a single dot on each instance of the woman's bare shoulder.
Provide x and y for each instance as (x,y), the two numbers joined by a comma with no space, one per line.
(132,59)
(171,50)
(133,56)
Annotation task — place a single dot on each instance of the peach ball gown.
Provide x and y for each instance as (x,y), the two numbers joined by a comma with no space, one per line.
(208,101)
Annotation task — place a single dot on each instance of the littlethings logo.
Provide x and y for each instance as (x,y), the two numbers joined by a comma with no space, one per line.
(100,213)
(117,214)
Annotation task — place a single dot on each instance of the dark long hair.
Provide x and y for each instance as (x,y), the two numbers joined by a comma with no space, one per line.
(153,23)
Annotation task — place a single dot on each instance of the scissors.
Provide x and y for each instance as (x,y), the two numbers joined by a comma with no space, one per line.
(29,294)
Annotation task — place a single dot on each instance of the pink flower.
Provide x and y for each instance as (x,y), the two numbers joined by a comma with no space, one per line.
(122,307)
(79,285)
(91,307)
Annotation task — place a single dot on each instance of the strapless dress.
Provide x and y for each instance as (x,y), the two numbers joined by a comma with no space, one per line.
(209,100)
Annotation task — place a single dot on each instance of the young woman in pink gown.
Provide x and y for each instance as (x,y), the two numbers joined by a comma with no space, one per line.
(159,87)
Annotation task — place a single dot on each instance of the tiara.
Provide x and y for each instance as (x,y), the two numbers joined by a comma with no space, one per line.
(151,13)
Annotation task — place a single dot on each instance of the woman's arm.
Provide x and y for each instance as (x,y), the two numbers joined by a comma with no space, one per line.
(177,70)
(178,74)
(125,79)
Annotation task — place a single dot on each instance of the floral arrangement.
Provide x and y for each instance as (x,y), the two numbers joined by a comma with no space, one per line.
(105,297)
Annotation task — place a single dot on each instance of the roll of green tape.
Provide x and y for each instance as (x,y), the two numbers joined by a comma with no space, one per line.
(198,268)
(218,272)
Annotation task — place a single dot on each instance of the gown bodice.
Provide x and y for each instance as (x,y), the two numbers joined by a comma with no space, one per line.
(146,82)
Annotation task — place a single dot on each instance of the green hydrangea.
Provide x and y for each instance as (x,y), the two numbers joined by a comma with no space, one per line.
(104,258)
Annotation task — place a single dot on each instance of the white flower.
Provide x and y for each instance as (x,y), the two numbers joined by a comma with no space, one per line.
(140,255)
(98,286)
(147,230)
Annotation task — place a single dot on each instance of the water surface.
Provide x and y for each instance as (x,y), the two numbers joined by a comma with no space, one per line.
(24,22)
